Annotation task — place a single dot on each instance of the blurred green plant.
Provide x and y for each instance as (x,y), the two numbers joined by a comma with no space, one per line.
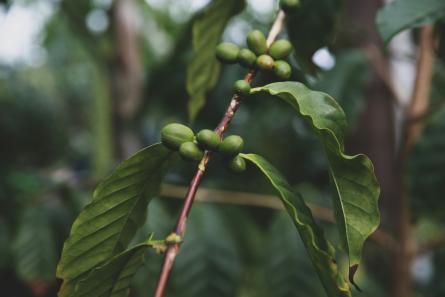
(58,131)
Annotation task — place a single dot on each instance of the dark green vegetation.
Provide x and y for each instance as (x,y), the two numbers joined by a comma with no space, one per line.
(289,6)
(99,97)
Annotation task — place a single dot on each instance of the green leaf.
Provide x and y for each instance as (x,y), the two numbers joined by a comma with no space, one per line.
(113,278)
(356,187)
(346,82)
(426,169)
(159,220)
(106,225)
(319,16)
(203,70)
(34,246)
(406,14)
(289,272)
(209,262)
(320,251)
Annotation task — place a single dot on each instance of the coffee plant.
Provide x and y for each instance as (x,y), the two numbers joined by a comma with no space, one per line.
(100,256)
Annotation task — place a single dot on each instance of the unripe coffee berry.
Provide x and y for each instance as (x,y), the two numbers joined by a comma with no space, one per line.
(246,57)
(257,42)
(237,164)
(190,151)
(280,49)
(173,135)
(227,52)
(265,62)
(241,87)
(282,69)
(231,145)
(208,139)
(289,6)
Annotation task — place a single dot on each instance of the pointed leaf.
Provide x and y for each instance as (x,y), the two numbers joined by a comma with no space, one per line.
(356,187)
(34,246)
(289,272)
(406,14)
(113,278)
(203,70)
(320,251)
(106,225)
(209,255)
(159,220)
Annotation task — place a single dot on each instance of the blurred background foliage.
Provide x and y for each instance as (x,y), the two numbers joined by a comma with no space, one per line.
(100,78)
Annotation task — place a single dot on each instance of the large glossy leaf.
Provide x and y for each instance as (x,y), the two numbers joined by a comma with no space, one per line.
(106,225)
(405,14)
(355,185)
(203,70)
(113,278)
(320,251)
(34,246)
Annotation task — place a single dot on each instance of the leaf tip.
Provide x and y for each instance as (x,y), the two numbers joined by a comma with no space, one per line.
(352,271)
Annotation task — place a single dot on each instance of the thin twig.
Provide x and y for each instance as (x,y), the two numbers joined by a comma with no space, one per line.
(435,107)
(422,87)
(380,237)
(276,28)
(404,257)
(179,230)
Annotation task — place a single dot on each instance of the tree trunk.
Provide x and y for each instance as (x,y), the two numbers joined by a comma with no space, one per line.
(376,136)
(126,75)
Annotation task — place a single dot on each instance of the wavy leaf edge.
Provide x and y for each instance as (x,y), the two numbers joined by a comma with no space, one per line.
(354,260)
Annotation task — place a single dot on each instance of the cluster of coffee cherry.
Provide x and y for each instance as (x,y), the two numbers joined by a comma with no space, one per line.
(257,55)
(191,147)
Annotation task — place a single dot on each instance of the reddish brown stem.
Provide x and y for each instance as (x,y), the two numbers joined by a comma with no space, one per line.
(173,249)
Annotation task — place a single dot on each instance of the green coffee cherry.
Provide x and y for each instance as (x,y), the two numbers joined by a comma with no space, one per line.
(227,52)
(237,164)
(289,5)
(246,57)
(241,87)
(208,139)
(231,145)
(173,135)
(280,49)
(282,69)
(257,42)
(190,151)
(265,62)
